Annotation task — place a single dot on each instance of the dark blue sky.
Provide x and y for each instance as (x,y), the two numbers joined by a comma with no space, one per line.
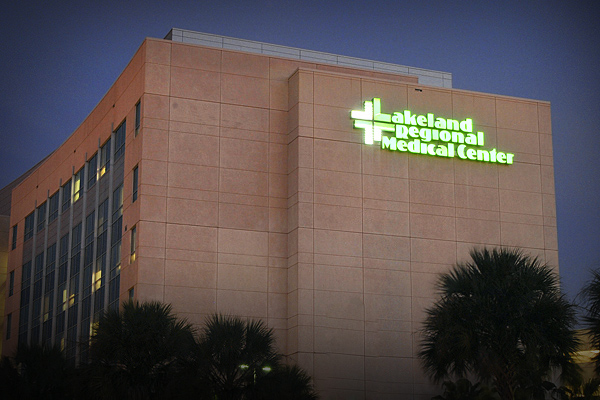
(58,58)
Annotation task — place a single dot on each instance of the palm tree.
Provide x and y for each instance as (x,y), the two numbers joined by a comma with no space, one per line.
(501,318)
(463,389)
(36,372)
(591,297)
(139,351)
(234,355)
(286,383)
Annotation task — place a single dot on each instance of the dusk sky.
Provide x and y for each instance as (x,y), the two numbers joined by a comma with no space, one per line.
(59,58)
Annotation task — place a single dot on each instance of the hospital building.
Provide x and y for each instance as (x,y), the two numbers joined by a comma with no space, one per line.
(320,193)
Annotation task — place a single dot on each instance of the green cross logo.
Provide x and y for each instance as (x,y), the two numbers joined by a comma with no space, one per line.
(373,121)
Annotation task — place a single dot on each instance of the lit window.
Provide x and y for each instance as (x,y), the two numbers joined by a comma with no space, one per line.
(53,207)
(133,238)
(28,227)
(138,117)
(14,238)
(120,140)
(41,217)
(135,184)
(105,157)
(66,196)
(77,185)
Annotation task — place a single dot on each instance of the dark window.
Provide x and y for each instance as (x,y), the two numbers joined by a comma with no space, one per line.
(8,325)
(101,260)
(61,296)
(53,207)
(11,283)
(104,158)
(92,170)
(25,302)
(120,140)
(135,184)
(131,293)
(28,227)
(66,196)
(48,300)
(41,217)
(14,238)
(77,185)
(138,117)
(115,252)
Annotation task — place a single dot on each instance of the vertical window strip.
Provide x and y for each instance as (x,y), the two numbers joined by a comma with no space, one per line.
(135,184)
(8,326)
(120,140)
(66,196)
(28,233)
(11,283)
(14,237)
(38,275)
(61,295)
(25,301)
(41,217)
(53,207)
(100,271)
(133,244)
(48,304)
(92,171)
(77,185)
(115,252)
(138,117)
(104,158)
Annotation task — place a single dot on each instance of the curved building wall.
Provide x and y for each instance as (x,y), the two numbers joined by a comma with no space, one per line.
(248,190)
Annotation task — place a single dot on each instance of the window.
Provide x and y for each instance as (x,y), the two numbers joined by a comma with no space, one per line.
(104,158)
(14,238)
(53,207)
(135,184)
(77,185)
(115,251)
(28,227)
(8,325)
(120,140)
(66,196)
(131,293)
(41,217)
(92,170)
(138,117)
(11,283)
(133,238)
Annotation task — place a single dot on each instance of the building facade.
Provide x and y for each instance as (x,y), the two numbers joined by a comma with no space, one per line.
(319,193)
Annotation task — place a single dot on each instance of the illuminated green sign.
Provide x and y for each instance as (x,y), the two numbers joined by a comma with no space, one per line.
(425,134)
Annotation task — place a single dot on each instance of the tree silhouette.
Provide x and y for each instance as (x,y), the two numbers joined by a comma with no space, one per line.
(139,352)
(235,354)
(36,372)
(591,319)
(502,318)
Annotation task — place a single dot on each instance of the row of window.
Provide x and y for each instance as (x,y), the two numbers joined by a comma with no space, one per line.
(48,301)
(98,165)
(64,299)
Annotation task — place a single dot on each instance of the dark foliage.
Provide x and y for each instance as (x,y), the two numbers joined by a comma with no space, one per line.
(36,372)
(591,297)
(501,318)
(463,389)
(139,352)
(143,351)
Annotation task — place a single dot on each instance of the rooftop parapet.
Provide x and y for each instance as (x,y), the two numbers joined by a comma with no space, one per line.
(426,76)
